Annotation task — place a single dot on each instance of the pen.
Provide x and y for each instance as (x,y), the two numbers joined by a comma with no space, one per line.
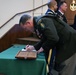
(26,46)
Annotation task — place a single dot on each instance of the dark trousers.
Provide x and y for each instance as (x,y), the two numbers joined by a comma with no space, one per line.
(52,61)
(51,65)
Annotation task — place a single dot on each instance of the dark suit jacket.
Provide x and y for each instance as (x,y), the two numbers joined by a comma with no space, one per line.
(55,33)
(59,14)
(62,16)
(66,46)
(74,24)
(49,11)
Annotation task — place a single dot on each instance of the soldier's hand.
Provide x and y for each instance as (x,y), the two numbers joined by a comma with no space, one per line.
(30,47)
(40,50)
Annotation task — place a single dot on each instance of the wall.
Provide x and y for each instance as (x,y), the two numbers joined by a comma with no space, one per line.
(10,31)
(11,37)
(9,8)
(70,14)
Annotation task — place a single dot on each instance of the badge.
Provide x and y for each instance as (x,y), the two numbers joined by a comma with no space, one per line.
(42,25)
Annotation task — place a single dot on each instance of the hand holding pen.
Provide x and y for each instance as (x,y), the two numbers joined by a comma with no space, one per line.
(30,47)
(27,46)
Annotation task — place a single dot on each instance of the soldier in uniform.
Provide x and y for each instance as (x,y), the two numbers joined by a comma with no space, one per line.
(53,33)
(61,10)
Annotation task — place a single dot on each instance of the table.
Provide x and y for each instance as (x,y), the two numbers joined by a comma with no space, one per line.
(9,65)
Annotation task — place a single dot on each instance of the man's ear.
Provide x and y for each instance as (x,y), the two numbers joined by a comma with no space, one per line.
(27,22)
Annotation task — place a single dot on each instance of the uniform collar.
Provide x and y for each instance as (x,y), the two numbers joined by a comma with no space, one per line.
(35,24)
(51,11)
(61,12)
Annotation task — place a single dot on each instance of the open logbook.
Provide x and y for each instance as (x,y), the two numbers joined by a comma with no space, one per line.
(23,54)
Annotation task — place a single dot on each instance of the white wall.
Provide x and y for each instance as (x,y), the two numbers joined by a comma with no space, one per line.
(8,8)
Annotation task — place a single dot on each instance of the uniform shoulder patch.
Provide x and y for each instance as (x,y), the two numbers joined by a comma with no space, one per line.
(42,25)
(39,21)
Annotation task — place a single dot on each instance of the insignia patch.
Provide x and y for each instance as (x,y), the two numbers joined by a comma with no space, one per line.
(42,25)
(39,21)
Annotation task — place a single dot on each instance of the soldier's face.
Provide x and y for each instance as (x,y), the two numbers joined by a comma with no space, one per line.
(64,7)
(55,7)
(27,26)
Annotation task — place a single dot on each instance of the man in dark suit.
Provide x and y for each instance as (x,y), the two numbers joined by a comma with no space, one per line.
(61,10)
(53,33)
(51,10)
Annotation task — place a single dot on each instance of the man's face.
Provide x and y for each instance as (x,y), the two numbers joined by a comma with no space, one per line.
(55,7)
(64,7)
(27,26)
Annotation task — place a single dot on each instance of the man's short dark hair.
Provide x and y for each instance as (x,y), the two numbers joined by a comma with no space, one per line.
(24,18)
(61,3)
